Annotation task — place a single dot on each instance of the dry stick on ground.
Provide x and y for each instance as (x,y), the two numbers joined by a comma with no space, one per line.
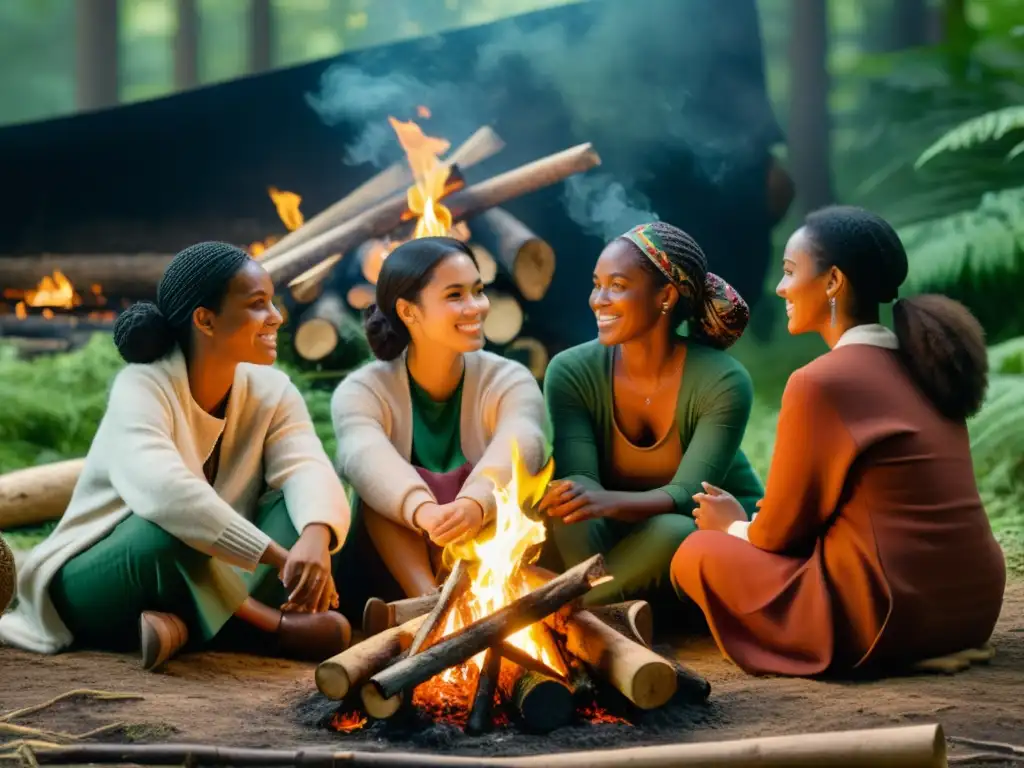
(85,692)
(481,145)
(991,746)
(917,746)
(480,635)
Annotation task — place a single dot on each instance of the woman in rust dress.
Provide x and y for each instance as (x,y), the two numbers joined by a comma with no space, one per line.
(871,549)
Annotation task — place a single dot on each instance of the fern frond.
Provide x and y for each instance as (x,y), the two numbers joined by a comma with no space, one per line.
(997,439)
(963,246)
(991,126)
(1007,357)
(1018,150)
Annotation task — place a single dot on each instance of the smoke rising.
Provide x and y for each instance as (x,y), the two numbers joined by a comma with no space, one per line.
(603,207)
(613,78)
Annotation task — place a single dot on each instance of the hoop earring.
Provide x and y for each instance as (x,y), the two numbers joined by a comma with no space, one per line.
(832,309)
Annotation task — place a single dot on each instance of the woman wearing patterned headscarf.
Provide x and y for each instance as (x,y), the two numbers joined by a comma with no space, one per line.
(871,549)
(206,458)
(643,415)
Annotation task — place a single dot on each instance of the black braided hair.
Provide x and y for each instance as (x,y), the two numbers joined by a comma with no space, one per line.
(196,277)
(683,250)
(941,343)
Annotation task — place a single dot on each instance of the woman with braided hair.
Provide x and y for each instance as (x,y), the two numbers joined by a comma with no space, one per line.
(643,415)
(871,549)
(425,430)
(206,458)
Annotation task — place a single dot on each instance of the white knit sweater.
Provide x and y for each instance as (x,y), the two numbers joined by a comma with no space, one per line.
(147,458)
(372,414)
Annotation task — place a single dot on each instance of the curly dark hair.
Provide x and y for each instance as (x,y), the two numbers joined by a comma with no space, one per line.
(942,344)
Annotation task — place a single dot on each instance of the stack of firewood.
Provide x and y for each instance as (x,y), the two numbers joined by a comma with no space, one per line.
(328,267)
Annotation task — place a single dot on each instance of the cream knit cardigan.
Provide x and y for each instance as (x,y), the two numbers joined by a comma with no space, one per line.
(372,414)
(147,458)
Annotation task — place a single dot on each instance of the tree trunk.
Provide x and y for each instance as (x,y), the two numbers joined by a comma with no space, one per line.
(261,40)
(186,46)
(809,120)
(96,59)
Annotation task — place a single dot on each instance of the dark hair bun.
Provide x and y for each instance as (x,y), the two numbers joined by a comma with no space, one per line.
(386,341)
(142,333)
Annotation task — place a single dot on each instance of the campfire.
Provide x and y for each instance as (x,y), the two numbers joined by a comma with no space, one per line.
(503,640)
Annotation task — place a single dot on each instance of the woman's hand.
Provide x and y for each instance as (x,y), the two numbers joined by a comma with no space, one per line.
(575,503)
(716,509)
(307,572)
(462,518)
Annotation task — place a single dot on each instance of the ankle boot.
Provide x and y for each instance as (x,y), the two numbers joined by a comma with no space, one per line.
(313,636)
(162,636)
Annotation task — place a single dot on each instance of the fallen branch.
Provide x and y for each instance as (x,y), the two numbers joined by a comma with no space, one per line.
(918,746)
(480,635)
(991,746)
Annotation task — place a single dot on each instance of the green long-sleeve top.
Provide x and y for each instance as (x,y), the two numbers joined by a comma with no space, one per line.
(436,437)
(713,405)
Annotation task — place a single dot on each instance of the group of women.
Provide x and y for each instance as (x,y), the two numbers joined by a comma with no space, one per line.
(208,508)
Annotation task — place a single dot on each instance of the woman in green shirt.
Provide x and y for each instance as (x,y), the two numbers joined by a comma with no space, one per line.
(424,429)
(643,416)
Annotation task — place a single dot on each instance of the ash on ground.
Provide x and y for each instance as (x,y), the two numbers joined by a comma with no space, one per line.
(604,719)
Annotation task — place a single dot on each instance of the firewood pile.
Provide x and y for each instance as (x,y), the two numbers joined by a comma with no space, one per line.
(328,266)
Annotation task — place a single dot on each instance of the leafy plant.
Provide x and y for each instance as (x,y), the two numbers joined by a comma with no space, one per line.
(991,126)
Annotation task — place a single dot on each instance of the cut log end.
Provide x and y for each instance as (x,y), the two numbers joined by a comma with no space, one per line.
(542,703)
(359,297)
(378,706)
(315,339)
(377,616)
(534,269)
(653,684)
(504,320)
(485,262)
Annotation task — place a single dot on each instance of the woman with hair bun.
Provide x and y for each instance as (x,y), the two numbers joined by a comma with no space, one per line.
(871,549)
(206,458)
(642,415)
(425,429)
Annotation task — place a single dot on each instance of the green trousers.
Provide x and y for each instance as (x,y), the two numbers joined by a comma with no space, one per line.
(638,555)
(100,593)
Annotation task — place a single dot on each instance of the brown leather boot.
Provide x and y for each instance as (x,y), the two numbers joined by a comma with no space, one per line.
(162,636)
(313,636)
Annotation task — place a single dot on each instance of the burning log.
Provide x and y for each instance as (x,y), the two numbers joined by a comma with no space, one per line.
(361,296)
(542,703)
(455,581)
(340,674)
(504,321)
(633,618)
(528,259)
(37,494)
(536,354)
(323,327)
(378,615)
(481,145)
(480,714)
(638,673)
(306,287)
(382,218)
(125,276)
(480,635)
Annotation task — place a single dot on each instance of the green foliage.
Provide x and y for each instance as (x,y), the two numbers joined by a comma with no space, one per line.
(991,126)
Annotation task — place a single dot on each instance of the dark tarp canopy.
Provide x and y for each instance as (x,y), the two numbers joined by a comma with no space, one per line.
(671,93)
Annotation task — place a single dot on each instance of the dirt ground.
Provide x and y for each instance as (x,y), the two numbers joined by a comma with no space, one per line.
(238,700)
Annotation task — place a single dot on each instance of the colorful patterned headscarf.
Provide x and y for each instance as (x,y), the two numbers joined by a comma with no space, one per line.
(720,312)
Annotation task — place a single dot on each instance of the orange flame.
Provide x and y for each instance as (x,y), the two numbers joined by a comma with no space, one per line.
(496,577)
(423,112)
(347,722)
(430,174)
(287,204)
